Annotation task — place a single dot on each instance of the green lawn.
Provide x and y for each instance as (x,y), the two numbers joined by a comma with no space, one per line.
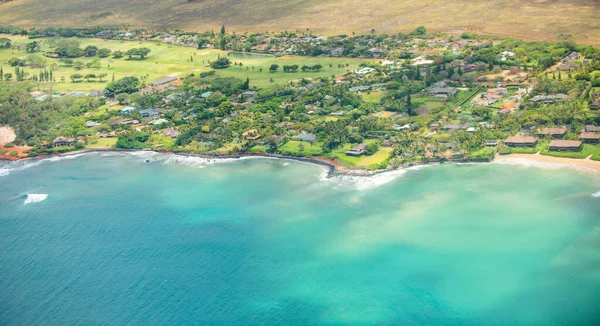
(541,146)
(170,60)
(292,147)
(103,143)
(371,162)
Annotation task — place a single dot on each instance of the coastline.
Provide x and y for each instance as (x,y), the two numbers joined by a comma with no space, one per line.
(573,163)
(335,168)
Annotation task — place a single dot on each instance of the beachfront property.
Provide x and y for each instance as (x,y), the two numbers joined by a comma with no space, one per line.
(520,141)
(251,134)
(553,132)
(63,141)
(357,150)
(565,146)
(590,137)
(305,137)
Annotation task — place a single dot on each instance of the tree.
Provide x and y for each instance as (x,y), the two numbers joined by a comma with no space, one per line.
(66,61)
(409,110)
(8,76)
(273,68)
(78,65)
(123,85)
(76,77)
(90,50)
(36,61)
(220,63)
(31,47)
(222,30)
(14,61)
(1,73)
(371,149)
(101,76)
(246,84)
(89,76)
(5,43)
(104,53)
(118,54)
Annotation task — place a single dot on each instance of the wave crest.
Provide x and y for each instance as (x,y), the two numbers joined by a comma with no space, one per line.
(35,198)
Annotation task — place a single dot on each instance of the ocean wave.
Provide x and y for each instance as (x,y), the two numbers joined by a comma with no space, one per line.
(22,165)
(35,198)
(596,195)
(363,182)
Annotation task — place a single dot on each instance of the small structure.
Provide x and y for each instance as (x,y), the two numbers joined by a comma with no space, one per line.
(251,134)
(386,143)
(520,141)
(590,137)
(149,113)
(565,146)
(447,91)
(357,150)
(591,128)
(171,132)
(491,143)
(127,109)
(163,80)
(305,137)
(63,141)
(158,122)
(554,132)
(91,124)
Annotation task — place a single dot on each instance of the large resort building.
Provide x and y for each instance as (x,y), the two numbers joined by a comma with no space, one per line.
(520,141)
(565,146)
(554,132)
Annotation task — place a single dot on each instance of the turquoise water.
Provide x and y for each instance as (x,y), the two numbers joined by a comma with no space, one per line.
(273,242)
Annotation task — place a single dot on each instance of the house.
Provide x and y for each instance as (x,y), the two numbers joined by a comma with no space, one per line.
(111,134)
(386,143)
(549,98)
(63,141)
(595,105)
(158,122)
(337,114)
(305,137)
(364,71)
(337,52)
(448,91)
(357,150)
(590,128)
(590,137)
(251,134)
(434,126)
(163,80)
(91,124)
(171,132)
(554,132)
(565,146)
(206,94)
(497,90)
(127,110)
(455,126)
(248,94)
(520,141)
(359,88)
(96,93)
(149,113)
(399,127)
(491,143)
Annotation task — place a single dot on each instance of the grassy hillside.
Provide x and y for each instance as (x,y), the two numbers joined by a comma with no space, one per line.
(530,19)
(170,60)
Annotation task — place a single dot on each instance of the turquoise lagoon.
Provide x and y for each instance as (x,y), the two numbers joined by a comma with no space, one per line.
(178,240)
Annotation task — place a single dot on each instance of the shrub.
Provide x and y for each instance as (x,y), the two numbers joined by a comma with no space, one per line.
(2,152)
(13,153)
(9,145)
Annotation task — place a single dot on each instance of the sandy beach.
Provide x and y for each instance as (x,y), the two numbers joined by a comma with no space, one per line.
(7,135)
(586,164)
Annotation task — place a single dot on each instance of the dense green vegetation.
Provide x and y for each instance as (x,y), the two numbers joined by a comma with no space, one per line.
(460,100)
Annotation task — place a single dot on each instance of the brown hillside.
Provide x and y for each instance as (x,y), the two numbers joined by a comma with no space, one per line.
(539,19)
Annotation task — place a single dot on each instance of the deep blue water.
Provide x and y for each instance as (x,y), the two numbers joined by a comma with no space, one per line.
(180,241)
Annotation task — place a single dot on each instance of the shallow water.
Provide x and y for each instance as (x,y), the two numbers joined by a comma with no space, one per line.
(262,241)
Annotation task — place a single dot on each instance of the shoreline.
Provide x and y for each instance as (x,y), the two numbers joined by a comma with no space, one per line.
(335,168)
(573,163)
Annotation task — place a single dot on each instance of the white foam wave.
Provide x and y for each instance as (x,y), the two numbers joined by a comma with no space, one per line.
(596,195)
(364,182)
(35,198)
(22,165)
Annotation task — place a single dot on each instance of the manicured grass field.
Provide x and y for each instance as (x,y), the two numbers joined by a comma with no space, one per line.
(292,147)
(170,60)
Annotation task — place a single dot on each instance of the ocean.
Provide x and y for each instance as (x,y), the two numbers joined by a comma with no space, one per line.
(111,239)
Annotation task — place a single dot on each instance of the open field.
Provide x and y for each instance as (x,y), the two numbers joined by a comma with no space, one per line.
(171,60)
(530,19)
